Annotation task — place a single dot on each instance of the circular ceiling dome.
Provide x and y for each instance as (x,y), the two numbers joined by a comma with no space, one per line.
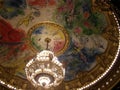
(84,36)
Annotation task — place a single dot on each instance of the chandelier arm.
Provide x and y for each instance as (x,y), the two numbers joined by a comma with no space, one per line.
(47,40)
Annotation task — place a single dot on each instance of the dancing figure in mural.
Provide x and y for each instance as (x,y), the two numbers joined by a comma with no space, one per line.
(11,38)
(81,56)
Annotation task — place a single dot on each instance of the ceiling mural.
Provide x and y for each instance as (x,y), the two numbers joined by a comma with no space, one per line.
(12,8)
(57,34)
(79,36)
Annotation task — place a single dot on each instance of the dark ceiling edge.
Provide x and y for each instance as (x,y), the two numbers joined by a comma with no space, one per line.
(107,77)
(4,87)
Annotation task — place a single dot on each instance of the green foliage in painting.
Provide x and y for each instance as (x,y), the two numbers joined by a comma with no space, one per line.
(77,13)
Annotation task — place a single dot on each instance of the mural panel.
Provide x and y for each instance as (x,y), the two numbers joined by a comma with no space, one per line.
(85,28)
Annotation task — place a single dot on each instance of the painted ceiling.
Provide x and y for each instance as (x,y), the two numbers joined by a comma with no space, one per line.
(79,36)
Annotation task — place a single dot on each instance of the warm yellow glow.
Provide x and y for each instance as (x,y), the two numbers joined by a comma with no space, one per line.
(45,70)
(44,81)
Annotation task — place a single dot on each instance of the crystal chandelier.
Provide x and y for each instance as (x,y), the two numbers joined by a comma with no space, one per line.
(45,70)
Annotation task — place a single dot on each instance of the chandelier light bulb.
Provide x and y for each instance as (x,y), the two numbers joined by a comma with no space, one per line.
(44,81)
